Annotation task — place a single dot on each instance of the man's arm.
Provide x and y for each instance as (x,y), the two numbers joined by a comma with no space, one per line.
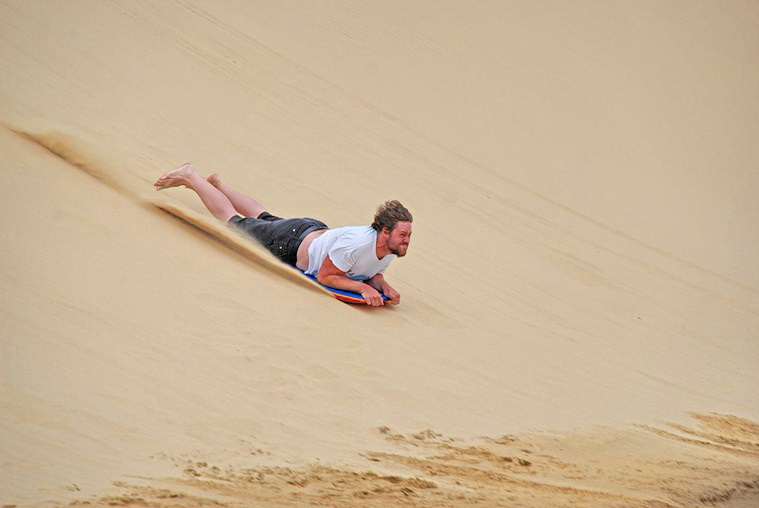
(378,282)
(332,276)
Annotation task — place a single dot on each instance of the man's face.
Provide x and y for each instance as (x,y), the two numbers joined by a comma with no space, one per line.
(399,238)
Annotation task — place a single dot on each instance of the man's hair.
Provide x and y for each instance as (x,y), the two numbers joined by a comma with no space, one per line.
(389,214)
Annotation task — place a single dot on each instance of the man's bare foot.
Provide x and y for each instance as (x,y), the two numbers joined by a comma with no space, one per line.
(175,178)
(214,180)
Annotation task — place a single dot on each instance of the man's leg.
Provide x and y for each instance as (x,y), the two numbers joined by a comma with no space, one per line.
(215,200)
(246,205)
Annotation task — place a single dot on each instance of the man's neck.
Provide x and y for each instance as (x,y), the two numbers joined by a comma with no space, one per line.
(381,248)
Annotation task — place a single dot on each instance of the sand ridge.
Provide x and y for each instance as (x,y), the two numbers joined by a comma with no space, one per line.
(648,468)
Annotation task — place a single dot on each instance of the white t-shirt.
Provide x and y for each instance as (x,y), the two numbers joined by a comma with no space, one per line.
(352,250)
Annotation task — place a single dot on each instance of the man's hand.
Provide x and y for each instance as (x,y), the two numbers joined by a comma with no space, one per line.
(372,297)
(379,283)
(395,296)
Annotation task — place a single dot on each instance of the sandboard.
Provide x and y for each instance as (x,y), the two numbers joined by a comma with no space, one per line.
(252,249)
(343,295)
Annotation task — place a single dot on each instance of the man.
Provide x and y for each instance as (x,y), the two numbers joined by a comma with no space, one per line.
(353,258)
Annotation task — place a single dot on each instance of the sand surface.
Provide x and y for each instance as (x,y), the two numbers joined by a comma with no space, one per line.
(579,323)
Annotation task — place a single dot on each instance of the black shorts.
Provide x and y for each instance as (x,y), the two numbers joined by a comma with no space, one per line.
(281,237)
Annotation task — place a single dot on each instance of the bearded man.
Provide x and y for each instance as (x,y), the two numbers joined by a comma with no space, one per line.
(353,258)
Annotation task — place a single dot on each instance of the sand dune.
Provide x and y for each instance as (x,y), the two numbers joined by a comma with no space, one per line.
(580,299)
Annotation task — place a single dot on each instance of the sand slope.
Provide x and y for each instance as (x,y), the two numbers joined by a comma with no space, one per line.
(583,181)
